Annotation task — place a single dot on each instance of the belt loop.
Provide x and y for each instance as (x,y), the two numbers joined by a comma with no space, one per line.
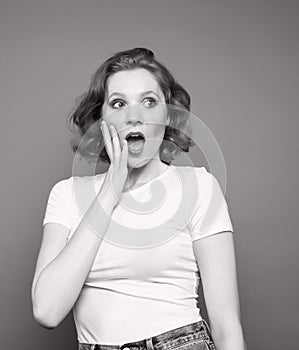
(149,344)
(206,324)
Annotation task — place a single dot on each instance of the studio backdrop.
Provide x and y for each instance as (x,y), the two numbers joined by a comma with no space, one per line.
(237,61)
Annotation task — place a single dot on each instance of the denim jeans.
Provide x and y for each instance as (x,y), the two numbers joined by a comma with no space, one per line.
(194,336)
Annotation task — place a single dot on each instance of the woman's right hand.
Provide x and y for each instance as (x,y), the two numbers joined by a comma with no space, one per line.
(116,176)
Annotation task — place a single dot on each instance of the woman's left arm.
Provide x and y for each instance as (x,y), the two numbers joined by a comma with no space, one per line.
(215,256)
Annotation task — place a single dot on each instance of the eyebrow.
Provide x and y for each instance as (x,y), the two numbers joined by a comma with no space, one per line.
(143,94)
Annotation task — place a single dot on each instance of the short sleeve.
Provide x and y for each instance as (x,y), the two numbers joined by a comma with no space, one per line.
(210,214)
(58,207)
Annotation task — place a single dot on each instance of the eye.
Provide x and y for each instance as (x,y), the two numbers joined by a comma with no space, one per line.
(116,104)
(150,102)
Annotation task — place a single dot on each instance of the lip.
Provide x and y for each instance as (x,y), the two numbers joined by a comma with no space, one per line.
(135,133)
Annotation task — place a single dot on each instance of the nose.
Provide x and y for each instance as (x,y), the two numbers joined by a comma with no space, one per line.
(134,114)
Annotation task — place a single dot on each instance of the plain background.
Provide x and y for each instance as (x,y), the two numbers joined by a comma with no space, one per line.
(236,59)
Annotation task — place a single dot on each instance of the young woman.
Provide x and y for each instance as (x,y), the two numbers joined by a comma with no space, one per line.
(130,278)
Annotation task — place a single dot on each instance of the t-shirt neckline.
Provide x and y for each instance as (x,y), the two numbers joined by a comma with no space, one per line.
(159,177)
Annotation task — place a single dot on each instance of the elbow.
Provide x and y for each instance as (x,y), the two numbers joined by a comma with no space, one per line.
(45,318)
(44,312)
(229,337)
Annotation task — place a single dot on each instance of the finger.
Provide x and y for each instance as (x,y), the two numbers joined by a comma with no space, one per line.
(116,143)
(107,140)
(124,154)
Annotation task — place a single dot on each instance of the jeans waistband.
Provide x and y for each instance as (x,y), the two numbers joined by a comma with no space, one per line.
(200,326)
(201,329)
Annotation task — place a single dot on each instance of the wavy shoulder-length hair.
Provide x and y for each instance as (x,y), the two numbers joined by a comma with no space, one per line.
(83,120)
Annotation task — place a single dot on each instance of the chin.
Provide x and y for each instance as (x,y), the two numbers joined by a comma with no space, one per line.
(137,162)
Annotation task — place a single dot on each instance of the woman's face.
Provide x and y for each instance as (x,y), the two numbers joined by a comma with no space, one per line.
(134,102)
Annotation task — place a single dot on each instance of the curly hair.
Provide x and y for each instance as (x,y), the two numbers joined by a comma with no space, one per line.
(89,139)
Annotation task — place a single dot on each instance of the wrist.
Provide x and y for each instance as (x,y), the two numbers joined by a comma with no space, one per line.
(107,202)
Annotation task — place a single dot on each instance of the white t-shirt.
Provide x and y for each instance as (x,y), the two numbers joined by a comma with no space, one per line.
(144,278)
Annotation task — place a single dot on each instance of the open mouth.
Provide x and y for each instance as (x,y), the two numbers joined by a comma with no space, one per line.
(136,142)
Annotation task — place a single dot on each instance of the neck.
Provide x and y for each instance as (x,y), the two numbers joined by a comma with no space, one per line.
(144,174)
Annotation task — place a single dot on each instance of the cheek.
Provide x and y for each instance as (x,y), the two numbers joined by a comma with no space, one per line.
(157,134)
(108,114)
(107,111)
(159,129)
(158,117)
(104,111)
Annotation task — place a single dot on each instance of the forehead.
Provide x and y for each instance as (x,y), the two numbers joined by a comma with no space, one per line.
(132,82)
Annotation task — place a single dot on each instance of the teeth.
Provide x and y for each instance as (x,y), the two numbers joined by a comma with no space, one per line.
(136,135)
